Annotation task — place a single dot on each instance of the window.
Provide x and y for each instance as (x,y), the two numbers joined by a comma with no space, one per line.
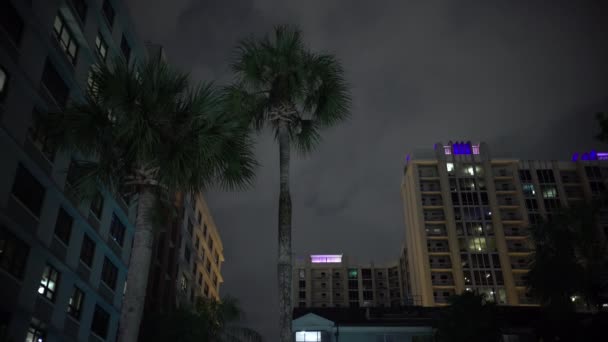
(217,258)
(13,253)
(206,290)
(65,38)
(184,283)
(190,227)
(302,283)
(11,21)
(549,191)
(199,217)
(117,230)
(210,245)
(450,167)
(101,320)
(87,250)
(205,229)
(49,282)
(187,254)
(302,274)
(308,336)
(197,243)
(353,273)
(102,47)
(80,7)
(3,82)
(302,294)
(36,332)
(28,190)
(63,226)
(75,303)
(126,51)
(97,205)
(37,134)
(108,12)
(53,82)
(109,273)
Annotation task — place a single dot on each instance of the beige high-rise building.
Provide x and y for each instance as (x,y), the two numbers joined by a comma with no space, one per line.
(467,218)
(332,281)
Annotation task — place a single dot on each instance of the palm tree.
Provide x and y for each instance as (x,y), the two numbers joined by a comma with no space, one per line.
(207,320)
(284,85)
(148,131)
(469,318)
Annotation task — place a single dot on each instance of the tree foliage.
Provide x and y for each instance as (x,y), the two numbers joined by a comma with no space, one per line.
(469,318)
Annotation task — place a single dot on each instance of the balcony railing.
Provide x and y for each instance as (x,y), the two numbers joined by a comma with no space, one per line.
(441,265)
(438,249)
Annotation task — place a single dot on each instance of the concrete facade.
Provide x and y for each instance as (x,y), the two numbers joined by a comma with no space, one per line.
(343,284)
(467,217)
(64,261)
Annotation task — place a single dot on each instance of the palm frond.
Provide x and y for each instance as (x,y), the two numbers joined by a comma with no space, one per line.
(305,137)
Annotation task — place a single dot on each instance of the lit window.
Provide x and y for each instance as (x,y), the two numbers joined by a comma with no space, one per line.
(528,189)
(3,81)
(184,283)
(102,47)
(65,38)
(49,283)
(36,332)
(469,171)
(302,274)
(75,303)
(308,336)
(549,192)
(450,167)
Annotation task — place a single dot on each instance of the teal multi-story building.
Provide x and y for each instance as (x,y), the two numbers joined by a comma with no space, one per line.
(63,261)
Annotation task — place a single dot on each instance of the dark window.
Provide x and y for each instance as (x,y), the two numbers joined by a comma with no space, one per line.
(102,46)
(75,303)
(126,51)
(109,273)
(11,21)
(81,9)
(63,226)
(190,227)
(65,38)
(37,133)
(545,176)
(97,205)
(108,12)
(302,283)
(49,282)
(101,320)
(53,82)
(205,229)
(197,243)
(87,250)
(28,190)
(302,294)
(210,245)
(36,332)
(187,254)
(199,217)
(525,175)
(13,253)
(117,230)
(160,247)
(531,204)
(3,82)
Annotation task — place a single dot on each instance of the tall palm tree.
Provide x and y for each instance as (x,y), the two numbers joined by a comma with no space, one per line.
(148,131)
(297,92)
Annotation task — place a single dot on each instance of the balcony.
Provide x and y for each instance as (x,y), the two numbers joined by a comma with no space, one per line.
(510,216)
(506,201)
(502,172)
(504,187)
(434,215)
(439,248)
(520,264)
(428,172)
(515,231)
(442,279)
(518,246)
(432,200)
(436,230)
(430,186)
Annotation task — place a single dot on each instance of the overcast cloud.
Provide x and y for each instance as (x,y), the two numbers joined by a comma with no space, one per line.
(524,76)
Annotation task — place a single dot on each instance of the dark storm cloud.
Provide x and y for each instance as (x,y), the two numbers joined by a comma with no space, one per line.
(524,76)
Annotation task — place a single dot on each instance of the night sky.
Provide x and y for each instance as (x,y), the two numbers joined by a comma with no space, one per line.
(526,78)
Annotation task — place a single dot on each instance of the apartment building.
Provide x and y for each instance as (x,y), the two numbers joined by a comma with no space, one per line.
(187,259)
(63,261)
(332,281)
(467,217)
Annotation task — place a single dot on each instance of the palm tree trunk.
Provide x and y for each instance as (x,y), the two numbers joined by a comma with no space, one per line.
(139,266)
(284,262)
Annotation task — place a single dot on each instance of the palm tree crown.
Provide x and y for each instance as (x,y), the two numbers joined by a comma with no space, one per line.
(280,78)
(147,125)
